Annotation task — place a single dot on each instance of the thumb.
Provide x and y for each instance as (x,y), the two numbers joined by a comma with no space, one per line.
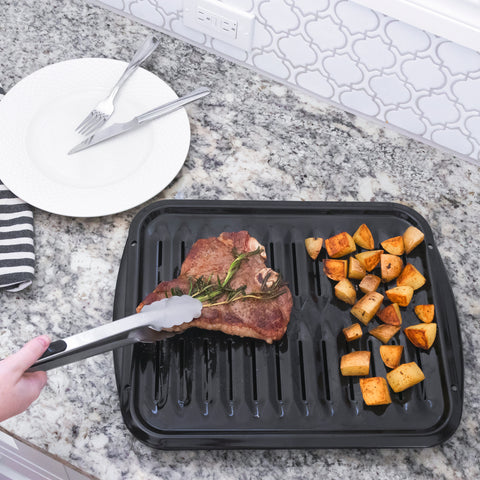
(29,353)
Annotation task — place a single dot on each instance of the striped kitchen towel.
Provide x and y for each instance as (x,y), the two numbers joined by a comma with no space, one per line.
(17,255)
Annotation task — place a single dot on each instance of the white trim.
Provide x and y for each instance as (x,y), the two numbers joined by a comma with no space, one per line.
(455,20)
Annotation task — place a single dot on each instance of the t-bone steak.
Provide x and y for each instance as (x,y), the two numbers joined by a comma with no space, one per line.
(265,317)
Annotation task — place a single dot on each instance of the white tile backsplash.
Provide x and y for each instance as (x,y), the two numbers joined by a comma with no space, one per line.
(353,57)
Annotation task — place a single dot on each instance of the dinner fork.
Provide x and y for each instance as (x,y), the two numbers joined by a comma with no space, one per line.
(104,110)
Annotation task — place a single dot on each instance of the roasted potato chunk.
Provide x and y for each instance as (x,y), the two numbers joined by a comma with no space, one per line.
(363,237)
(422,335)
(369,283)
(412,277)
(375,391)
(335,269)
(353,332)
(405,376)
(366,308)
(356,270)
(401,295)
(390,315)
(345,291)
(391,355)
(394,245)
(340,245)
(384,332)
(313,246)
(369,259)
(355,363)
(411,238)
(425,312)
(391,267)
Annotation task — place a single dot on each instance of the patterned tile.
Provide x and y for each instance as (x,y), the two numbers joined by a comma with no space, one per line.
(354,57)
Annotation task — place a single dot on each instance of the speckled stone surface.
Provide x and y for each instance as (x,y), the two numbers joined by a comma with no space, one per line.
(251,139)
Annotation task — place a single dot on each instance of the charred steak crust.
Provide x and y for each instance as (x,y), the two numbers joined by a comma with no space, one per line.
(265,319)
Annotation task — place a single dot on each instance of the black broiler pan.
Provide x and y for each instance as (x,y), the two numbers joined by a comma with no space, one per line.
(205,390)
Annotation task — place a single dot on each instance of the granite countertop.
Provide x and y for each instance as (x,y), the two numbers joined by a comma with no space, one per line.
(251,139)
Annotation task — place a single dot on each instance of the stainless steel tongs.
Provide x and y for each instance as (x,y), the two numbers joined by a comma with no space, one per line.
(147,326)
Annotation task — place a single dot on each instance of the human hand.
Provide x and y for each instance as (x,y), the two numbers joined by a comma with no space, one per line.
(18,388)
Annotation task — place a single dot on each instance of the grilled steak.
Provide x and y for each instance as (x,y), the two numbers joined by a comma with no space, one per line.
(265,317)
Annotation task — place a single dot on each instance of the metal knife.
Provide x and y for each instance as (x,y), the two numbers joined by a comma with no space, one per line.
(119,128)
(147,326)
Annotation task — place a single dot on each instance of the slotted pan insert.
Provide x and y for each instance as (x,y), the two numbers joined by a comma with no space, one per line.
(204,390)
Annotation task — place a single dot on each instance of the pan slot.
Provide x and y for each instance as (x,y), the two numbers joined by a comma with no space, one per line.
(172,260)
(182,252)
(183,390)
(421,385)
(161,376)
(206,375)
(272,255)
(157,376)
(350,387)
(326,379)
(230,369)
(396,342)
(252,382)
(317,277)
(159,261)
(254,371)
(372,360)
(351,390)
(159,254)
(302,371)
(294,269)
(278,376)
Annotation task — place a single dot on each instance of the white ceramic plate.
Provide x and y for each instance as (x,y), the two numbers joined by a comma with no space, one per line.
(38,117)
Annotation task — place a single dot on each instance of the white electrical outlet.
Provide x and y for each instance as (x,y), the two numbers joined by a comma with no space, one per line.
(218,20)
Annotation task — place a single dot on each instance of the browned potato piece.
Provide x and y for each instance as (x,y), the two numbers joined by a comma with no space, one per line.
(422,335)
(384,332)
(355,363)
(405,376)
(369,259)
(400,295)
(391,266)
(335,269)
(313,246)
(394,245)
(363,237)
(425,312)
(411,238)
(411,276)
(391,355)
(353,332)
(355,269)
(340,245)
(391,315)
(375,391)
(366,308)
(345,291)
(369,283)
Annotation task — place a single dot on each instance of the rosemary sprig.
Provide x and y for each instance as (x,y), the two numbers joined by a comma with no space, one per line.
(218,292)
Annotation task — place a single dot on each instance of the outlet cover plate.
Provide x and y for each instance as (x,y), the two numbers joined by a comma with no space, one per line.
(219,20)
